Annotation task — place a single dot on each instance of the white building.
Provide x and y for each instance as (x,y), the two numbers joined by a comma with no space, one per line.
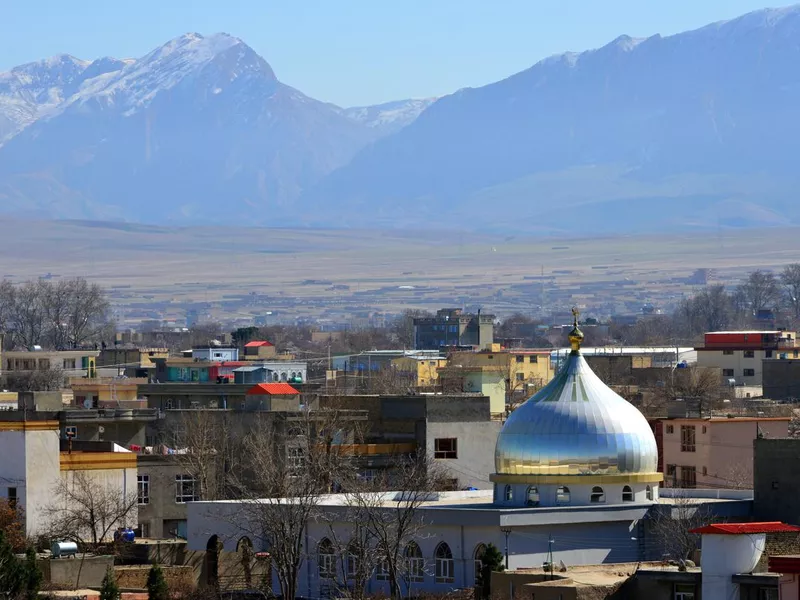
(575,473)
(740,354)
(33,465)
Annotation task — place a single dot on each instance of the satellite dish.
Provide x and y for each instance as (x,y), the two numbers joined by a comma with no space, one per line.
(87,403)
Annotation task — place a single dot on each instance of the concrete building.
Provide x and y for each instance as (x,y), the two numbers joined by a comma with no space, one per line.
(575,463)
(740,354)
(781,378)
(259,350)
(714,452)
(131,362)
(34,464)
(422,370)
(776,483)
(215,354)
(74,363)
(189,370)
(107,392)
(451,327)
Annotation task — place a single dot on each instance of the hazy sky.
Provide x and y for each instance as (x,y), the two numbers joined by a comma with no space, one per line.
(355,51)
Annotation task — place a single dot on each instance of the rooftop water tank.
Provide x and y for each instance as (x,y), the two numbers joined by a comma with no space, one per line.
(63,549)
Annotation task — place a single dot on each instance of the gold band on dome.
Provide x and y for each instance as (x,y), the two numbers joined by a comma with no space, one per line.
(578,479)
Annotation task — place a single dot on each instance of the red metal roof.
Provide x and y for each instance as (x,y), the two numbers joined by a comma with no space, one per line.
(784,564)
(745,528)
(274,389)
(257,344)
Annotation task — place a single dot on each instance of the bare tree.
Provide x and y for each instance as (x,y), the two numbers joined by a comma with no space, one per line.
(762,290)
(210,450)
(696,386)
(396,522)
(8,299)
(672,523)
(88,311)
(790,278)
(40,380)
(86,510)
(289,463)
(29,316)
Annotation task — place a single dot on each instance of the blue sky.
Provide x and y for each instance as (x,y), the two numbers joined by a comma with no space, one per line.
(354,52)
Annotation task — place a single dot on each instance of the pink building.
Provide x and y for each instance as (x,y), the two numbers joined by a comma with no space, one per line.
(714,452)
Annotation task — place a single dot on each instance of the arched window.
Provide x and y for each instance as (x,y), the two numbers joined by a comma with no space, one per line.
(283,376)
(275,377)
(352,560)
(327,560)
(293,375)
(508,493)
(627,494)
(598,496)
(649,493)
(415,564)
(213,549)
(445,568)
(532,498)
(477,557)
(562,495)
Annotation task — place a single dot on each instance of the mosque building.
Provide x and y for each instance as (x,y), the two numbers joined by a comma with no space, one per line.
(575,482)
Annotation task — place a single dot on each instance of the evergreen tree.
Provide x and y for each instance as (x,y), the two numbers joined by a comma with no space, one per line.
(12,576)
(157,585)
(109,589)
(492,560)
(33,575)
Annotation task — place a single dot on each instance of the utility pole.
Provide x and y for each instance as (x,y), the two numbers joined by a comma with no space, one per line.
(506,531)
(550,555)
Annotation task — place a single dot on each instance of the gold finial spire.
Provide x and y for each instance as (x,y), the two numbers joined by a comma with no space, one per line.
(576,335)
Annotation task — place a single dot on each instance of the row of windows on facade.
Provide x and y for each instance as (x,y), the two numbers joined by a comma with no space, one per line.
(185,489)
(597,496)
(444,564)
(745,373)
(42,364)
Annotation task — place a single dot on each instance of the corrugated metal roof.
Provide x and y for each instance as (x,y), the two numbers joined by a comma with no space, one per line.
(745,528)
(274,389)
(257,344)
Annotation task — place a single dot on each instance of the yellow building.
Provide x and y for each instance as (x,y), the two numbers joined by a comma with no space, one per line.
(526,369)
(424,368)
(108,392)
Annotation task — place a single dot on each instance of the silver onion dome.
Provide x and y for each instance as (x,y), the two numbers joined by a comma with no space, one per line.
(576,425)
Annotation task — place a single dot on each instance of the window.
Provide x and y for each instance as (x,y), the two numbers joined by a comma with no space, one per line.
(508,493)
(477,556)
(562,495)
(705,429)
(749,354)
(687,438)
(327,559)
(672,473)
(768,354)
(684,591)
(727,352)
(627,494)
(727,372)
(295,459)
(670,429)
(382,571)
(367,475)
(705,470)
(768,593)
(533,358)
(520,358)
(143,489)
(520,376)
(415,564)
(648,493)
(144,530)
(445,571)
(445,448)
(44,364)
(491,357)
(352,561)
(71,431)
(532,496)
(12,498)
(185,489)
(749,373)
(168,404)
(69,364)
(597,496)
(688,477)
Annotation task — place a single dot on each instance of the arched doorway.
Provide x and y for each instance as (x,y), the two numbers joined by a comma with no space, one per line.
(477,557)
(213,548)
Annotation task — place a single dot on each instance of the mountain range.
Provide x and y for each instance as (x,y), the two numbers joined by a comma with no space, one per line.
(694,130)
